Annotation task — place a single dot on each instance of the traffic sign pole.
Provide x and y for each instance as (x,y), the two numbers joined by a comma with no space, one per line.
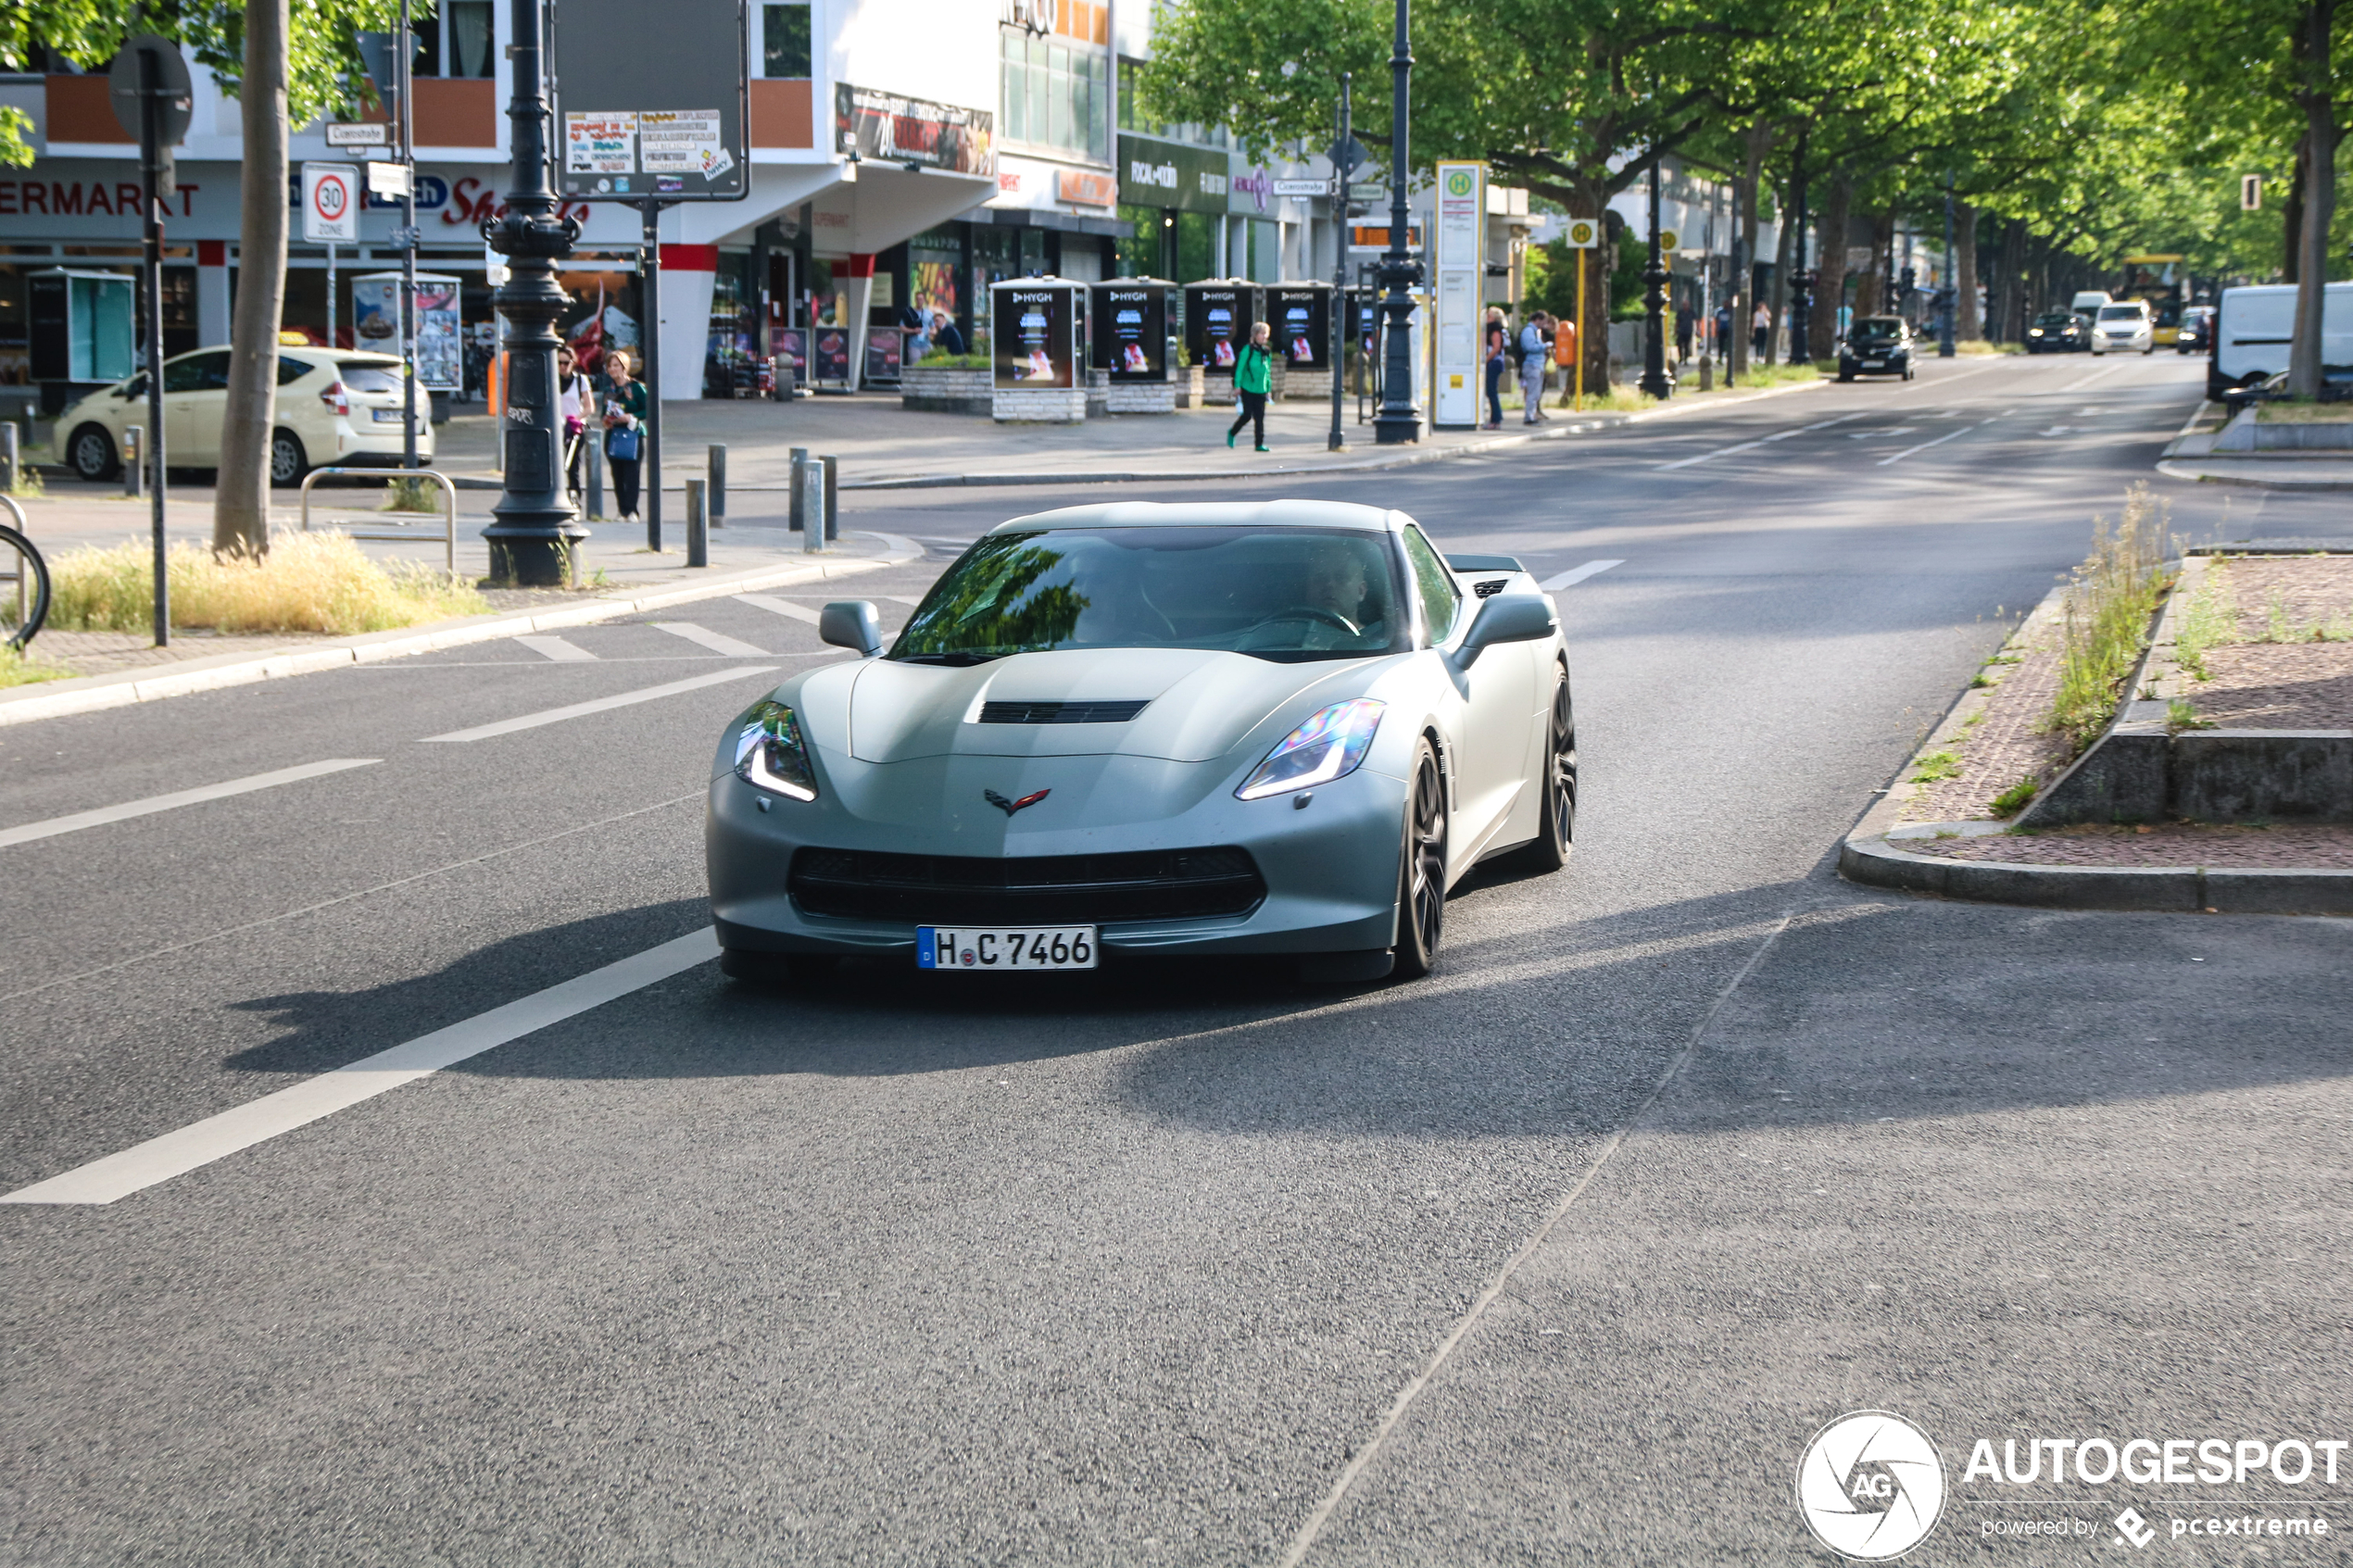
(151,269)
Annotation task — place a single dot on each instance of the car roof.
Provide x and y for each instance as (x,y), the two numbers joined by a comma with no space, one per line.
(1213,514)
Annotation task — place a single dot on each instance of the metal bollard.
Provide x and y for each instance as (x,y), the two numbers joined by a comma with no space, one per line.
(792,509)
(134,459)
(8,456)
(596,474)
(808,502)
(718,468)
(698,525)
(833,520)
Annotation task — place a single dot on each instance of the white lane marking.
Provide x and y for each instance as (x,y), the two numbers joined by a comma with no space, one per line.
(1575,575)
(775,606)
(216,1137)
(1938,442)
(579,710)
(557,648)
(2096,375)
(128,808)
(1752,445)
(717,642)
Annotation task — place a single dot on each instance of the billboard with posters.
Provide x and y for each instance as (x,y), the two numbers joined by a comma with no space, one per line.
(375,323)
(897,129)
(1034,324)
(1219,313)
(660,110)
(1303,317)
(1131,329)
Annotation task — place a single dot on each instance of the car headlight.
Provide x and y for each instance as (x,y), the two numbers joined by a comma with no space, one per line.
(2033,332)
(771,755)
(1326,746)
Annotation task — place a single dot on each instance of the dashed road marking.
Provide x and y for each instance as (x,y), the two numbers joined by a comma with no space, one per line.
(153,803)
(1577,574)
(603,704)
(557,648)
(717,642)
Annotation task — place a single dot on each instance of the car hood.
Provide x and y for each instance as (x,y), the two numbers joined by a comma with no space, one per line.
(1199,703)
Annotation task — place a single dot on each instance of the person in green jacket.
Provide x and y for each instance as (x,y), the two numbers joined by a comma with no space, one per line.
(1254,378)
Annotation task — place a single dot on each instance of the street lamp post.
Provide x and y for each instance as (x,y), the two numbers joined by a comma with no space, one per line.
(1654,383)
(531,540)
(1951,293)
(1400,421)
(1343,167)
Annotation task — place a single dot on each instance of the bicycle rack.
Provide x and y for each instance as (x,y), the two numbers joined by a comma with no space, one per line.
(448,535)
(21,578)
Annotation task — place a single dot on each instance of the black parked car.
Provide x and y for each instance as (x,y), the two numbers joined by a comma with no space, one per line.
(2059,331)
(1876,346)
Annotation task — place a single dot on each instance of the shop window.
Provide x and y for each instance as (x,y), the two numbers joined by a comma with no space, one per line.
(1057,97)
(785,49)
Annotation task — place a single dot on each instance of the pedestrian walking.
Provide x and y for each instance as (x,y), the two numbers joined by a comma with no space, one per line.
(1253,379)
(1682,336)
(572,400)
(1535,348)
(625,409)
(1724,330)
(1760,330)
(1499,354)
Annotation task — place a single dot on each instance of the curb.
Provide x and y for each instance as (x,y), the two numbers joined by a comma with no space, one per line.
(1175,476)
(2169,889)
(90,694)
(2250,482)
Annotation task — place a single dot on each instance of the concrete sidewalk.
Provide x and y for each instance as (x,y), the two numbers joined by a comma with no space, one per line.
(2191,456)
(878,445)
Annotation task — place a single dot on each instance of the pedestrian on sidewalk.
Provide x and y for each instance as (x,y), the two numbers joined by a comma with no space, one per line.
(1498,354)
(1724,330)
(572,400)
(944,335)
(625,409)
(1760,330)
(1253,379)
(1535,348)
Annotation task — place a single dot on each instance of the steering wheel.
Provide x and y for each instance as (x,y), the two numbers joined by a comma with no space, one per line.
(1331,618)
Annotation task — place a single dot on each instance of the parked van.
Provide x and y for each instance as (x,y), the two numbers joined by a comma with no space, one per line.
(2252,327)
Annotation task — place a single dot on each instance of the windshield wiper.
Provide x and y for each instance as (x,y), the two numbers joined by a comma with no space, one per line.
(961,660)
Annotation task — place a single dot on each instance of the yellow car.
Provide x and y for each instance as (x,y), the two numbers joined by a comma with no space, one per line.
(334,406)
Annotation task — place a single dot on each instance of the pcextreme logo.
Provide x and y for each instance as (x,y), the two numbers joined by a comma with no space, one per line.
(1870,1486)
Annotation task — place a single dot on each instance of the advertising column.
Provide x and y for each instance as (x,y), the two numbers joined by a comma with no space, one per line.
(1460,267)
(1034,330)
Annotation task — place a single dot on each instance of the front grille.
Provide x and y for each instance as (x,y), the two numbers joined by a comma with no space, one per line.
(1490,588)
(1025,889)
(1061,712)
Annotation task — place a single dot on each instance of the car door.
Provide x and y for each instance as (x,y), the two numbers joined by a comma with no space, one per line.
(196,399)
(1490,752)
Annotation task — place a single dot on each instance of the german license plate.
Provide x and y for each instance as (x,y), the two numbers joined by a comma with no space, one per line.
(983,948)
(1874,364)
(389,416)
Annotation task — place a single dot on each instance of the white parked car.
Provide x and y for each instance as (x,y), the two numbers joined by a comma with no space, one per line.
(333,407)
(2123,327)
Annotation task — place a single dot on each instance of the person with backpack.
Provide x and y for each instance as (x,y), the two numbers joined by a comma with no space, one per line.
(1535,348)
(1499,354)
(1253,379)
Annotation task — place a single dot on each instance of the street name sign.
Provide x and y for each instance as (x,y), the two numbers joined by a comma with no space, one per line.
(358,134)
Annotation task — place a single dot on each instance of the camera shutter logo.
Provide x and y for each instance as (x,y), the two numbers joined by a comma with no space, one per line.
(1870,1486)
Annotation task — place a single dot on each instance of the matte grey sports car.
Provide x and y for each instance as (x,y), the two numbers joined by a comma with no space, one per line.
(1284,728)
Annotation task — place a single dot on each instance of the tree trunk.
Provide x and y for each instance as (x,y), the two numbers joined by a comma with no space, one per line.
(1593,310)
(2320,203)
(2292,220)
(1870,290)
(1756,141)
(2014,281)
(1830,291)
(1967,321)
(240,504)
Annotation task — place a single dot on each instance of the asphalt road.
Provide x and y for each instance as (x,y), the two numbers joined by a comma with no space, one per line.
(1560,1256)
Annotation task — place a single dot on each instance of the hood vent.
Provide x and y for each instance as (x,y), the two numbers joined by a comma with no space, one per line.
(1061,712)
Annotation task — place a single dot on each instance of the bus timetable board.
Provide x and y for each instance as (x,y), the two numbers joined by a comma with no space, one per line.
(659,111)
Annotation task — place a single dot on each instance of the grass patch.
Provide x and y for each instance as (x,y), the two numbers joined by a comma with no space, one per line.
(2114,593)
(15,670)
(2283,411)
(954,362)
(2208,620)
(1938,766)
(1985,345)
(2011,801)
(411,495)
(2181,714)
(1760,376)
(306,583)
(29,482)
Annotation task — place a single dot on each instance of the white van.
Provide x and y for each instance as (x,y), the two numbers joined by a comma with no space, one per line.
(2087,302)
(2252,327)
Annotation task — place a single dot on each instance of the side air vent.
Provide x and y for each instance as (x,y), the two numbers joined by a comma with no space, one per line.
(1490,588)
(1061,712)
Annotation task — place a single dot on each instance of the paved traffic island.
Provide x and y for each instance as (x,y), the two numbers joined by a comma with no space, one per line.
(2222,781)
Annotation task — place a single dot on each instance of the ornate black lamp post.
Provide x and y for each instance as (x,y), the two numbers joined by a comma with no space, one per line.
(1400,419)
(532,543)
(1654,383)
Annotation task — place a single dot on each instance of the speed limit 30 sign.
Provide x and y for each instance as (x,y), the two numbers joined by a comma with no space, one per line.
(330,202)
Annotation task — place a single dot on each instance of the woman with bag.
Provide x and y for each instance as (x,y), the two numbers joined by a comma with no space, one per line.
(625,409)
(572,400)
(1253,379)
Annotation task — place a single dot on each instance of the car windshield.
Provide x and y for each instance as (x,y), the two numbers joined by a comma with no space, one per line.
(2057,318)
(2119,312)
(1284,593)
(1878,327)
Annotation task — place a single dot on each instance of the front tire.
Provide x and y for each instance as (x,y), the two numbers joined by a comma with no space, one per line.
(1556,833)
(92,454)
(1421,882)
(288,461)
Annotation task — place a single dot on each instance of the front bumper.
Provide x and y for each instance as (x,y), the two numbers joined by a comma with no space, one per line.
(1330,868)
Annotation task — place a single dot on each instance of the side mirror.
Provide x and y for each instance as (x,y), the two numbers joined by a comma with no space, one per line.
(1517,617)
(134,389)
(853,624)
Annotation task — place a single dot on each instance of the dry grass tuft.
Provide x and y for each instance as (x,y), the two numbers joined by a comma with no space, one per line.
(2109,605)
(308,583)
(16,670)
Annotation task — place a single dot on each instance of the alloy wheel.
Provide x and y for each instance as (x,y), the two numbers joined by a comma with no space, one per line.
(1422,893)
